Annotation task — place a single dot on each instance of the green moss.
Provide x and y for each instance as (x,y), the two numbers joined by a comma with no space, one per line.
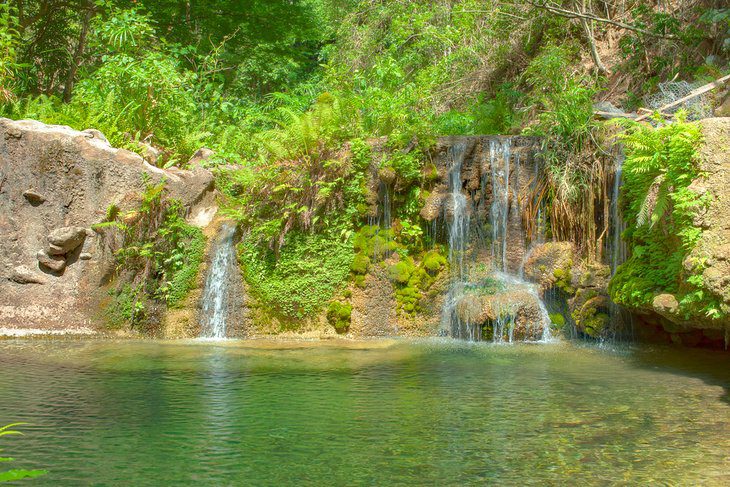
(595,324)
(558,320)
(563,278)
(434,261)
(374,242)
(400,272)
(359,281)
(360,264)
(338,315)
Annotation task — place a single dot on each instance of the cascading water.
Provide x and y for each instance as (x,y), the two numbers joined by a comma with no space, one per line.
(458,230)
(620,319)
(504,216)
(499,152)
(618,251)
(217,292)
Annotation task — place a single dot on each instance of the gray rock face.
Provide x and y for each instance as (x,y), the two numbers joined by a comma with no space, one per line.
(56,263)
(79,175)
(65,239)
(24,275)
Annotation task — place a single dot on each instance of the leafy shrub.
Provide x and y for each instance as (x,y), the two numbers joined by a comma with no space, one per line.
(659,208)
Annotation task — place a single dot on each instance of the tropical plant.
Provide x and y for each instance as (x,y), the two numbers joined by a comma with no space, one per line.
(16,474)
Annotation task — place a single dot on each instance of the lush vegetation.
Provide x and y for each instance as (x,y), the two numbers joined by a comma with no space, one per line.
(322,114)
(660,207)
(158,258)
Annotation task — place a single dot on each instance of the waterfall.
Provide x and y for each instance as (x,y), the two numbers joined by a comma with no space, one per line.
(621,321)
(499,156)
(459,227)
(458,232)
(618,251)
(505,218)
(217,292)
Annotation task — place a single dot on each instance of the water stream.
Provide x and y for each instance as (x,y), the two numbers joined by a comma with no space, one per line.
(505,221)
(217,292)
(621,320)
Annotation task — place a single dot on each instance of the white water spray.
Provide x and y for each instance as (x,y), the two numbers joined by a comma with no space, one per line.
(214,311)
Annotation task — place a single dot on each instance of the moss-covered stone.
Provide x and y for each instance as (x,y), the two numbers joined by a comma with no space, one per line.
(338,315)
(434,261)
(401,271)
(360,264)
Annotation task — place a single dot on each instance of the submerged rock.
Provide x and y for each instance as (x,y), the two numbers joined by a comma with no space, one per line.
(516,312)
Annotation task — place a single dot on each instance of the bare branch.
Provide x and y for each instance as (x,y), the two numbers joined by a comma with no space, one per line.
(570,14)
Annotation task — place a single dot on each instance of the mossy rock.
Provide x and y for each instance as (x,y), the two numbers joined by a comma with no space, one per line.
(360,264)
(563,279)
(434,261)
(338,315)
(400,272)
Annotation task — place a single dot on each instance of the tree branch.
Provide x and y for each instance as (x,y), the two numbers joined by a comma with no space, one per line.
(570,14)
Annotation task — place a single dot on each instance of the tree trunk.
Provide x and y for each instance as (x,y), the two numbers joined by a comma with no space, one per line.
(588,29)
(79,53)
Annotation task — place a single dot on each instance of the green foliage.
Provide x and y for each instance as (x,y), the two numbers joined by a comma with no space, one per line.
(9,39)
(338,315)
(16,474)
(558,320)
(159,260)
(309,269)
(659,207)
(497,115)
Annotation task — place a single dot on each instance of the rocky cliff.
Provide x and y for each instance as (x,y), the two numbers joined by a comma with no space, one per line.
(55,184)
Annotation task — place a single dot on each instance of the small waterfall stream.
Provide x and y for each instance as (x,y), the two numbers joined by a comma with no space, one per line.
(618,251)
(505,217)
(216,298)
(621,320)
(458,232)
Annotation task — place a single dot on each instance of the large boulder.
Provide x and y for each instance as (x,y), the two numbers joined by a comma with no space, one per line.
(713,248)
(514,313)
(55,183)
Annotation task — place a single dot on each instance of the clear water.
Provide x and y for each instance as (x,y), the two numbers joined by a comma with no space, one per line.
(365,413)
